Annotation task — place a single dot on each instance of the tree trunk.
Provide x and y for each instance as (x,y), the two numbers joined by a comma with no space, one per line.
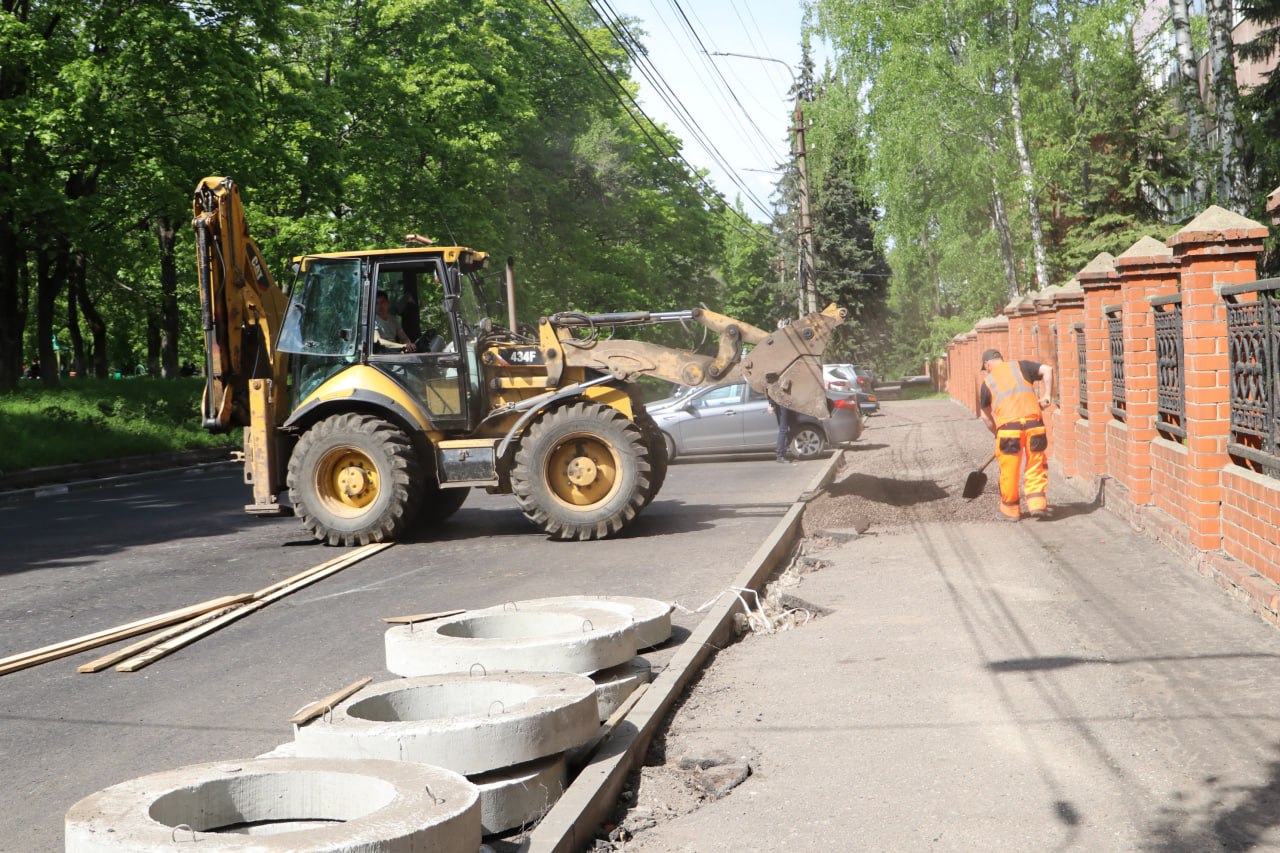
(1192,103)
(13,316)
(73,327)
(51,273)
(97,326)
(170,325)
(1024,158)
(1232,181)
(1000,222)
(153,344)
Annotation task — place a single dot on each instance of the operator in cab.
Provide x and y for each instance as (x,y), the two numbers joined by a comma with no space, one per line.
(390,333)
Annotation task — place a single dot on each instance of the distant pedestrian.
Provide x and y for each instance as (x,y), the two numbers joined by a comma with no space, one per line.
(1008,404)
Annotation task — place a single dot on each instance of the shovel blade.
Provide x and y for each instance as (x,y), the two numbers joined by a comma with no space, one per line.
(975,485)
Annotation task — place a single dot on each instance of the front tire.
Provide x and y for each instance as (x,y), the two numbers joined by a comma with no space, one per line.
(352,480)
(657,444)
(808,442)
(581,472)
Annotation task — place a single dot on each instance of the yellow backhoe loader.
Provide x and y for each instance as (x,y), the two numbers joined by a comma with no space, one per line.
(382,414)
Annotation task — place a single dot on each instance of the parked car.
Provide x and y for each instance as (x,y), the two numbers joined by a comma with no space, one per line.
(731,418)
(851,379)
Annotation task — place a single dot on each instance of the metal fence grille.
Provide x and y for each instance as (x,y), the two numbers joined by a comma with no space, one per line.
(1253,343)
(1115,336)
(1082,370)
(1170,401)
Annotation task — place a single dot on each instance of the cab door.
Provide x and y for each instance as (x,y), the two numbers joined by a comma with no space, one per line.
(437,373)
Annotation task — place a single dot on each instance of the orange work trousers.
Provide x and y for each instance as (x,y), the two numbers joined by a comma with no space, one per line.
(1017,443)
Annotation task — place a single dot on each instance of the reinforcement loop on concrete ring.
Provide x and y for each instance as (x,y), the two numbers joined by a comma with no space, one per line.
(484,673)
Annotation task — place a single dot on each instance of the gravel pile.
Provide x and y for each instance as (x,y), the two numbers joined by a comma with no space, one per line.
(891,478)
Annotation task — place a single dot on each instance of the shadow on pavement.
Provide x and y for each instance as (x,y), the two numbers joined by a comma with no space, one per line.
(1245,825)
(1050,662)
(886,490)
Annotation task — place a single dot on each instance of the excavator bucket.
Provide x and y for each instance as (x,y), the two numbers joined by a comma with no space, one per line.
(787,365)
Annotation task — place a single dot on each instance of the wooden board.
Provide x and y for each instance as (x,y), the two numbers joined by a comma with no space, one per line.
(319,706)
(420,617)
(66,648)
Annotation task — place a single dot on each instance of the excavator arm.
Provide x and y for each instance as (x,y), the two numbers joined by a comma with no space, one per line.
(241,309)
(785,366)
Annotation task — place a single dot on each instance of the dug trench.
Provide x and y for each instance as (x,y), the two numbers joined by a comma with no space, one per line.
(910,467)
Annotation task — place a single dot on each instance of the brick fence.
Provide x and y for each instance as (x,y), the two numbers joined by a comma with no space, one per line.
(1168,392)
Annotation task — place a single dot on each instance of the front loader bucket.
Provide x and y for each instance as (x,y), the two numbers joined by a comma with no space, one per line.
(787,366)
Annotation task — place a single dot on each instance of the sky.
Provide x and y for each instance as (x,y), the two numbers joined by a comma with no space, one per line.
(745,117)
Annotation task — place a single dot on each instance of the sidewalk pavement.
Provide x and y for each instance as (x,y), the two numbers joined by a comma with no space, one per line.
(1058,685)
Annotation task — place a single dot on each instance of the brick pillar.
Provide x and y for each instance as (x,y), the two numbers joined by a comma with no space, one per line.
(1101,289)
(1145,269)
(1068,303)
(993,333)
(1025,315)
(1046,320)
(1216,248)
(968,379)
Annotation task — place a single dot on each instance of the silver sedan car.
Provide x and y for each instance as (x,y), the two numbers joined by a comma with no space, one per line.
(732,418)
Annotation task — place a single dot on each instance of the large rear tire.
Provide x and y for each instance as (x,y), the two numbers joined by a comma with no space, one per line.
(581,472)
(353,480)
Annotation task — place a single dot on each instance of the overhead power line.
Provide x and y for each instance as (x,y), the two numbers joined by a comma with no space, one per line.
(648,127)
(641,61)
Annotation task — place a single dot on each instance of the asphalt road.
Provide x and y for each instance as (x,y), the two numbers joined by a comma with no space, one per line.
(95,559)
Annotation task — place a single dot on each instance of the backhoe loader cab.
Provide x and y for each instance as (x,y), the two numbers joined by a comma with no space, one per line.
(377,424)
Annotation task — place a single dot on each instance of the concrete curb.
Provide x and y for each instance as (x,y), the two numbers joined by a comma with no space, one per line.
(64,479)
(570,825)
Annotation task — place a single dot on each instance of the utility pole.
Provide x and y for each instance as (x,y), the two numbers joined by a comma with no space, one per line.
(806,297)
(804,224)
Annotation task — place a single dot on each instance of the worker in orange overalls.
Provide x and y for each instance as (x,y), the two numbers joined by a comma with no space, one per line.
(1008,404)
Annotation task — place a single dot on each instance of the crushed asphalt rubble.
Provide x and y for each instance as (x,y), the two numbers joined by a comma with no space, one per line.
(923,676)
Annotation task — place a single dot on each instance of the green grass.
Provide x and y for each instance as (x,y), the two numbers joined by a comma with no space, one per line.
(921,392)
(91,419)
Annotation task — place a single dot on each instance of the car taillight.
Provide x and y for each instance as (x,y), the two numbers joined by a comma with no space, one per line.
(845,404)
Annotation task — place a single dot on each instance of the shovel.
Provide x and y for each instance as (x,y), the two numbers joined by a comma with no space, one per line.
(977,481)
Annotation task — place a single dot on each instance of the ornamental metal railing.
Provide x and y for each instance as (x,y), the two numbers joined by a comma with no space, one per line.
(1171,404)
(1082,372)
(1253,346)
(1115,338)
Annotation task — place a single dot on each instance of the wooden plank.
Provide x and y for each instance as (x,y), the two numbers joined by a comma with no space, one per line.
(132,649)
(420,617)
(306,579)
(84,643)
(319,706)
(267,590)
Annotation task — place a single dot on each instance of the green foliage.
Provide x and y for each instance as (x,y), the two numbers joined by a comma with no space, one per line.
(89,419)
(921,93)
(348,124)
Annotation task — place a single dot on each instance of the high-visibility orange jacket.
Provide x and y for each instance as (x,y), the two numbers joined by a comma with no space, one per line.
(1012,397)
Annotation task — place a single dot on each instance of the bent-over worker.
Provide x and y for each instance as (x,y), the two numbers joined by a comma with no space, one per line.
(1008,404)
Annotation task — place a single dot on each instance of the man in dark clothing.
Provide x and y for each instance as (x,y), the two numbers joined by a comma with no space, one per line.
(786,422)
(1009,406)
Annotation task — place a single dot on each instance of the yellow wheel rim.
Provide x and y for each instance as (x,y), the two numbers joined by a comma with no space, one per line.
(347,481)
(582,470)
